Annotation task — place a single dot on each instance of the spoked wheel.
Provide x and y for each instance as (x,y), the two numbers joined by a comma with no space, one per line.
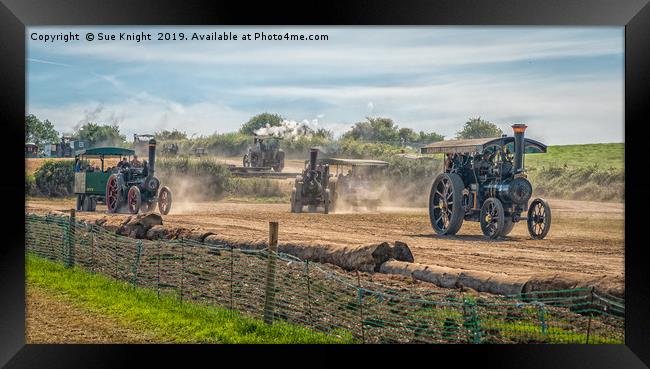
(492,218)
(164,200)
(445,208)
(134,200)
(539,219)
(112,194)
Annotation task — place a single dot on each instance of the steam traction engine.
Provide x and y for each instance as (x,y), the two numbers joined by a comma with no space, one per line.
(138,188)
(484,180)
(313,187)
(265,152)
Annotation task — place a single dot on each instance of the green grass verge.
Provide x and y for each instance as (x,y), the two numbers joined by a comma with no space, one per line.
(164,316)
(606,156)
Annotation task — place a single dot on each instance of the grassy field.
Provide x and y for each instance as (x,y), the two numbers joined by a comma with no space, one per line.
(165,316)
(607,155)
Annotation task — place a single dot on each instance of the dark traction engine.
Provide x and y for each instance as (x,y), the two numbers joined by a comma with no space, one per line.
(489,186)
(137,188)
(313,187)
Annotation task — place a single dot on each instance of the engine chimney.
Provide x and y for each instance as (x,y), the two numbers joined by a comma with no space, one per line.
(313,155)
(152,157)
(519,130)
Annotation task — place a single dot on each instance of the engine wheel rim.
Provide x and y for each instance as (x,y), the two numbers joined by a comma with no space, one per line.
(443,204)
(539,218)
(111,194)
(133,201)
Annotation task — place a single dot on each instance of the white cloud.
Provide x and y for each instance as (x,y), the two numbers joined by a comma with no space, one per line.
(147,116)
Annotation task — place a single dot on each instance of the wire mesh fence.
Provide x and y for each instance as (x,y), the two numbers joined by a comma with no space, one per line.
(276,286)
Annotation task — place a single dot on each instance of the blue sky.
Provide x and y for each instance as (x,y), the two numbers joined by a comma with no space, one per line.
(565,83)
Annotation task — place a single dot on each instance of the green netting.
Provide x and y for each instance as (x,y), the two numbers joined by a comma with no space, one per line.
(317,296)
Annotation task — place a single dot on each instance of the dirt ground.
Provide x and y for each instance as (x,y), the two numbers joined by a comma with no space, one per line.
(52,319)
(585,237)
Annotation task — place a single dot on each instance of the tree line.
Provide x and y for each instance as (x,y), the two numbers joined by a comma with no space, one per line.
(372,130)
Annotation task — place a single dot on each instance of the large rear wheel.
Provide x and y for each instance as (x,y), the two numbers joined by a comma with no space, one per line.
(445,205)
(112,194)
(492,218)
(539,219)
(164,200)
(134,200)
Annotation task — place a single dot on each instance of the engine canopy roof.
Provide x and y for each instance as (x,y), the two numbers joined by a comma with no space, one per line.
(478,145)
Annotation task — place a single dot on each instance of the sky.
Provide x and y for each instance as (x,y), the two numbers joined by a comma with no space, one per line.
(565,83)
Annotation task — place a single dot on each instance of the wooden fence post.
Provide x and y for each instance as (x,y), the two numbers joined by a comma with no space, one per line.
(269,295)
(70,240)
(591,303)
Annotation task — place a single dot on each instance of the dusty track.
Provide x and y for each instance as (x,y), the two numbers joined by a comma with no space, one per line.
(586,237)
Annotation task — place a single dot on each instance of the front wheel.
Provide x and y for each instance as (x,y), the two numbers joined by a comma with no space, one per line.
(164,200)
(445,204)
(539,219)
(134,200)
(112,194)
(492,218)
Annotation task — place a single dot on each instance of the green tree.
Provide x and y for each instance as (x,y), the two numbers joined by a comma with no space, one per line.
(39,132)
(259,121)
(374,129)
(386,131)
(478,128)
(101,135)
(324,133)
(165,135)
(429,137)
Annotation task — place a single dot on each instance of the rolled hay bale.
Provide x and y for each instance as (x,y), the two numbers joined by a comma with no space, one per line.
(137,227)
(112,223)
(456,278)
(213,239)
(367,257)
(402,252)
(198,235)
(567,281)
(161,232)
